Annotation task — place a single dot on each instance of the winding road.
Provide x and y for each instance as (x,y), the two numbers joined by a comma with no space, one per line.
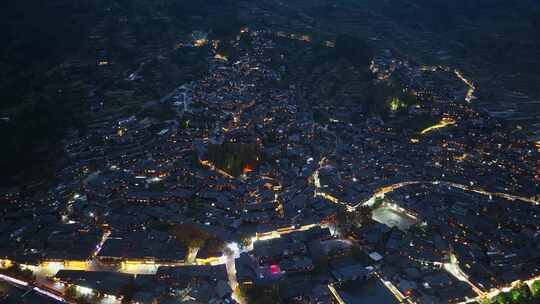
(391,188)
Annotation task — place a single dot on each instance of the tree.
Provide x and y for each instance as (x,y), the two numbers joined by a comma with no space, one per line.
(188,233)
(485,300)
(535,289)
(320,117)
(355,50)
(246,41)
(71,293)
(362,215)
(22,274)
(378,202)
(226,26)
(520,293)
(93,299)
(226,49)
(502,298)
(378,99)
(343,221)
(245,240)
(233,157)
(37,124)
(534,20)
(128,291)
(196,243)
(261,294)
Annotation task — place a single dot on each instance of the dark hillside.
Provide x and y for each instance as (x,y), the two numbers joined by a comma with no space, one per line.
(50,63)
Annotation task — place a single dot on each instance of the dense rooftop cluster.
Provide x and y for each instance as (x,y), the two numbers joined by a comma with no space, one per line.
(270,180)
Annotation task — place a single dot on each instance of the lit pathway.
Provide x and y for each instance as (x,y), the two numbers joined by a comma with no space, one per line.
(336,295)
(27,286)
(495,291)
(394,290)
(472,88)
(454,269)
(381,192)
(230,254)
(445,122)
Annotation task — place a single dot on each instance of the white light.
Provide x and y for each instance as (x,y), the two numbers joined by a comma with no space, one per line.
(154,180)
(49,294)
(13,280)
(84,290)
(234,248)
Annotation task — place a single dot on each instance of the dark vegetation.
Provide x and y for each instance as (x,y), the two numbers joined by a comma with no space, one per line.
(72,294)
(496,41)
(342,73)
(262,294)
(16,272)
(379,99)
(501,31)
(520,293)
(235,158)
(345,220)
(38,37)
(355,50)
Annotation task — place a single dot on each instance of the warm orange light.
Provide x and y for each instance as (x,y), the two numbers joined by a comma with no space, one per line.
(221,57)
(76,265)
(462,157)
(5,263)
(200,42)
(247,169)
(446,121)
